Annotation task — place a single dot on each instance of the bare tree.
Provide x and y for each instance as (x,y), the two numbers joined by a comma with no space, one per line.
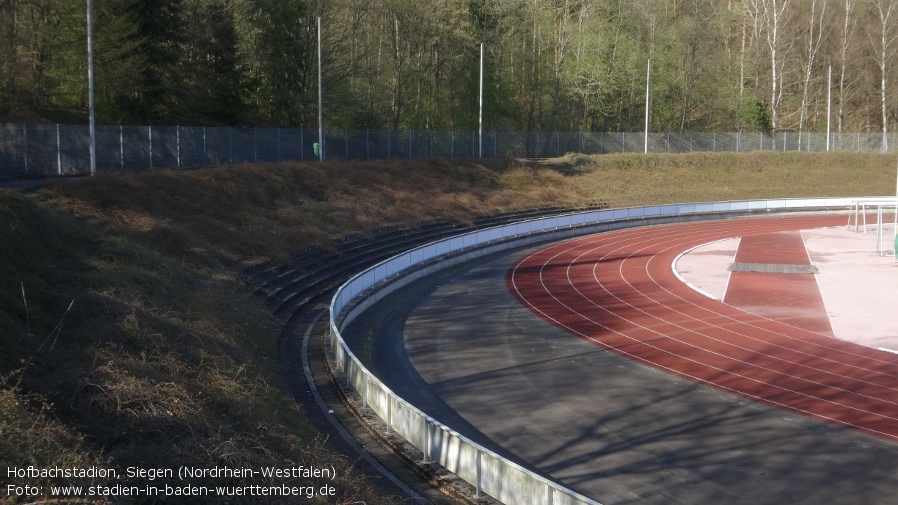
(564,15)
(773,14)
(847,36)
(813,41)
(887,14)
(534,71)
(750,26)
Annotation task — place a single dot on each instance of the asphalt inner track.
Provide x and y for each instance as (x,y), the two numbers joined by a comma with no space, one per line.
(608,425)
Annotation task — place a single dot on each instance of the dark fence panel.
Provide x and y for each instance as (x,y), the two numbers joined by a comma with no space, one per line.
(44,150)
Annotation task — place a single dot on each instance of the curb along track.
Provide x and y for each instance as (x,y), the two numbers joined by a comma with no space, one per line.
(298,293)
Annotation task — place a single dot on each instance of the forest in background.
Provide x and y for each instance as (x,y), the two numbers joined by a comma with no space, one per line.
(550,65)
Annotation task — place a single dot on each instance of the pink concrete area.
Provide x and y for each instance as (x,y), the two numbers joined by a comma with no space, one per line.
(859,286)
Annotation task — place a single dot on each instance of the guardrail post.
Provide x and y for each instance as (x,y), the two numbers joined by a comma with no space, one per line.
(346,365)
(427,441)
(478,474)
(864,214)
(25,145)
(364,391)
(58,152)
(389,413)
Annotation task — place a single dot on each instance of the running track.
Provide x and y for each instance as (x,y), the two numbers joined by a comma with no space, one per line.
(618,291)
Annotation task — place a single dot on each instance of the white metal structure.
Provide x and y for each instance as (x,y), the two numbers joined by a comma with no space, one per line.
(860,207)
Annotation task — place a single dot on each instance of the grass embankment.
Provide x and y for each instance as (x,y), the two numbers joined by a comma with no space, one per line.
(635,179)
(127,339)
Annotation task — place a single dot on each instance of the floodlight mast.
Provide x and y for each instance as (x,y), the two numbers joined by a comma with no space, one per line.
(320,127)
(829,105)
(90,92)
(648,78)
(480,108)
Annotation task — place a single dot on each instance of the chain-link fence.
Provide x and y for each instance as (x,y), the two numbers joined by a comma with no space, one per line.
(42,150)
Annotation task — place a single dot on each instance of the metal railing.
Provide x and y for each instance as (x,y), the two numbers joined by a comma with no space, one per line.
(42,150)
(488,472)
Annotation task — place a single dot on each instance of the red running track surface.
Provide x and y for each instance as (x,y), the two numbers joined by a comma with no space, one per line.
(618,290)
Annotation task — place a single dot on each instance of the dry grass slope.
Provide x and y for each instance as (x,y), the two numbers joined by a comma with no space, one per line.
(635,179)
(128,340)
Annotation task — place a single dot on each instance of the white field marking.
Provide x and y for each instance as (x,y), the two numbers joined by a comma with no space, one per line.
(816,278)
(676,272)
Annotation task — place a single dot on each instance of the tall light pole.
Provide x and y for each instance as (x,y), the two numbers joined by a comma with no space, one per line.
(829,106)
(320,127)
(90,92)
(648,79)
(480,107)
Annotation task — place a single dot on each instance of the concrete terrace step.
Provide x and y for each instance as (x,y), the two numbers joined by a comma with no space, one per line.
(288,289)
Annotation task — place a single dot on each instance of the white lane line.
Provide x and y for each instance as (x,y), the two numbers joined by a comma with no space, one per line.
(676,272)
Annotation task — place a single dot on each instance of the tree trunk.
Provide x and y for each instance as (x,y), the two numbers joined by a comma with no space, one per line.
(847,30)
(815,37)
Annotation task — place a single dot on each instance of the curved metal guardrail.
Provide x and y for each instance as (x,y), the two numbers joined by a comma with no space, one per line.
(488,472)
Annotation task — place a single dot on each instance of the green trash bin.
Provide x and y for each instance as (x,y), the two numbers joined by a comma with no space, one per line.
(316,150)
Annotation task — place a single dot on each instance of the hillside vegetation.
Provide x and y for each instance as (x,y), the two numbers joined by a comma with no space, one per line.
(128,339)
